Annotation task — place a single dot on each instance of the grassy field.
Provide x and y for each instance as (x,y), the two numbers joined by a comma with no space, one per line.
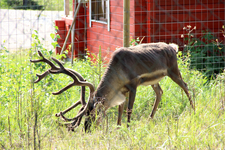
(27,118)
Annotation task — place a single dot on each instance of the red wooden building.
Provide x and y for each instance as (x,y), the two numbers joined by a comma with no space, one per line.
(100,22)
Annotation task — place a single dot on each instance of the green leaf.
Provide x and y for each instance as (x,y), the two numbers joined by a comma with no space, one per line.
(52,35)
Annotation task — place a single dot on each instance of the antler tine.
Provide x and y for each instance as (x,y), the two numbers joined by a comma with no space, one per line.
(53,67)
(61,114)
(68,72)
(74,124)
(81,113)
(41,76)
(63,89)
(68,109)
(79,76)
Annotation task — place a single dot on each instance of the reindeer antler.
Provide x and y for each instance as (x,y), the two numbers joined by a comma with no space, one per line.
(81,82)
(53,67)
(69,73)
(76,82)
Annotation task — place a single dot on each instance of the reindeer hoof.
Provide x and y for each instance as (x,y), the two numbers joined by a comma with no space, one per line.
(72,129)
(118,127)
(150,118)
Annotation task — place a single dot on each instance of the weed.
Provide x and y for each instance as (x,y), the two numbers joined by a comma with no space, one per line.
(206,52)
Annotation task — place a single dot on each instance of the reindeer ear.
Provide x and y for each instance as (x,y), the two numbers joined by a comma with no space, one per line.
(98,105)
(95,104)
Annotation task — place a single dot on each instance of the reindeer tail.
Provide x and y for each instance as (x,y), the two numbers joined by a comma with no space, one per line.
(174,46)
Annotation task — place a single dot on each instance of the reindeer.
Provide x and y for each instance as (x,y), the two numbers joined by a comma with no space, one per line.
(145,64)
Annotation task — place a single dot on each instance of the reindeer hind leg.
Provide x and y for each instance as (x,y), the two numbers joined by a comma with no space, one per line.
(159,93)
(175,75)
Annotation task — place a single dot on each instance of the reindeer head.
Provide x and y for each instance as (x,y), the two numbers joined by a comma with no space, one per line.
(90,109)
(94,113)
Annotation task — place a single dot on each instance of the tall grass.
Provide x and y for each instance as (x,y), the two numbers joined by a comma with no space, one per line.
(27,118)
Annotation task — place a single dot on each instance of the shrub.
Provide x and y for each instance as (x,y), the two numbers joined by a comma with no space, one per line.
(20,4)
(206,52)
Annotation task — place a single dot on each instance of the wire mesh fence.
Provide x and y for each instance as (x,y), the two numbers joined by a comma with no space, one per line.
(17,27)
(29,26)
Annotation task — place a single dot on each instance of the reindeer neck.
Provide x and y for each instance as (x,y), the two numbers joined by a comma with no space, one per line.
(109,85)
(106,87)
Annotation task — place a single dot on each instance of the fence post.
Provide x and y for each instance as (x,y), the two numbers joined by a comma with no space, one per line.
(73,35)
(68,34)
(126,23)
(66,7)
(126,34)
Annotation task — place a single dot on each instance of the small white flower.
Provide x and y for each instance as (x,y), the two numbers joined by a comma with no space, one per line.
(189,26)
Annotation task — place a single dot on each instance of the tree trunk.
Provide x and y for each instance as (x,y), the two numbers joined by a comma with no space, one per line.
(25,2)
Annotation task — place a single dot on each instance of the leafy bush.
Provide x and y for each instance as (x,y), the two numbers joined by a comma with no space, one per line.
(20,4)
(134,42)
(9,3)
(57,5)
(206,52)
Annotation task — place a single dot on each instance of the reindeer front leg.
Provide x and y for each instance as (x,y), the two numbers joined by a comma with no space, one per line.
(132,95)
(120,113)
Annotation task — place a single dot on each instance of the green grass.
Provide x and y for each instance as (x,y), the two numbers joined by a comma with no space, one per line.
(175,125)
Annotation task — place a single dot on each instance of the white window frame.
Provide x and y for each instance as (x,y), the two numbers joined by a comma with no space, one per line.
(103,22)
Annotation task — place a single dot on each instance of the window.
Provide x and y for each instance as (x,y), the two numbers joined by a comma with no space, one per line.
(99,11)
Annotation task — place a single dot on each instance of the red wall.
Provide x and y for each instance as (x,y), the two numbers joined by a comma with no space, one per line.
(156,20)
(168,17)
(141,20)
(98,34)
(64,25)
